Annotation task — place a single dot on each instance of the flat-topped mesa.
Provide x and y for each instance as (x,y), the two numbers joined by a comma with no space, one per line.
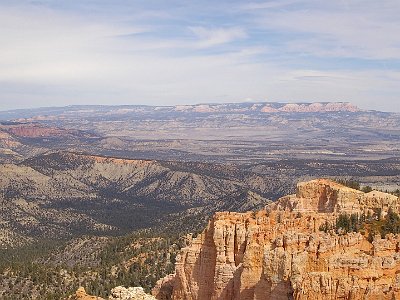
(327,196)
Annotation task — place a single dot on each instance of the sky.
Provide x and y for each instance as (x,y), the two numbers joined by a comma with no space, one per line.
(157,52)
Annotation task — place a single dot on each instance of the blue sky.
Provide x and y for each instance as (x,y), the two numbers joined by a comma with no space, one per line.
(55,53)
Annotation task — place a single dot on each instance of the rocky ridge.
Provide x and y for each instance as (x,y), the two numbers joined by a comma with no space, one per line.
(281,253)
(36,130)
(56,194)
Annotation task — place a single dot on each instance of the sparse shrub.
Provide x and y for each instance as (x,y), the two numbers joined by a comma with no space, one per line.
(325,227)
(366,189)
(279,218)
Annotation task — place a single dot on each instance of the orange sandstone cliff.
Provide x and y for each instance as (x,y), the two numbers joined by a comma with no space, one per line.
(280,253)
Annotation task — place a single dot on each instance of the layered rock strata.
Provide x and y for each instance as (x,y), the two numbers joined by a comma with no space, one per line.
(280,253)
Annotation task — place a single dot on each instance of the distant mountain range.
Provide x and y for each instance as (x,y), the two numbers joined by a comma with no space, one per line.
(240,132)
(246,107)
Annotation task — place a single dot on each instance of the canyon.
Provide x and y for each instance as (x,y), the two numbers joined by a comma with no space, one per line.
(106,196)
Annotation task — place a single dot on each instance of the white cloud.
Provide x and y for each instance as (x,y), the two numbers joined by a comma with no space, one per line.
(356,29)
(267,4)
(209,37)
(45,45)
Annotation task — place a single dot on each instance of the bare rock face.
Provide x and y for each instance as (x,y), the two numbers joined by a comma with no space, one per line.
(117,293)
(32,130)
(326,196)
(164,287)
(131,293)
(267,108)
(319,107)
(280,253)
(82,295)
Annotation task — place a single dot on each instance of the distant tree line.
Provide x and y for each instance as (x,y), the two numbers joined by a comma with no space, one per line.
(366,189)
(349,183)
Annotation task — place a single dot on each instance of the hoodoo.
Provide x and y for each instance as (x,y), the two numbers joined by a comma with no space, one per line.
(294,249)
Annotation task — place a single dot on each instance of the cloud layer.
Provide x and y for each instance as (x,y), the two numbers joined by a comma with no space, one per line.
(127,52)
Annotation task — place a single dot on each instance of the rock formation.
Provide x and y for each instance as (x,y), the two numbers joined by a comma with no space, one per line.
(326,196)
(131,293)
(32,130)
(118,293)
(82,295)
(318,107)
(281,253)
